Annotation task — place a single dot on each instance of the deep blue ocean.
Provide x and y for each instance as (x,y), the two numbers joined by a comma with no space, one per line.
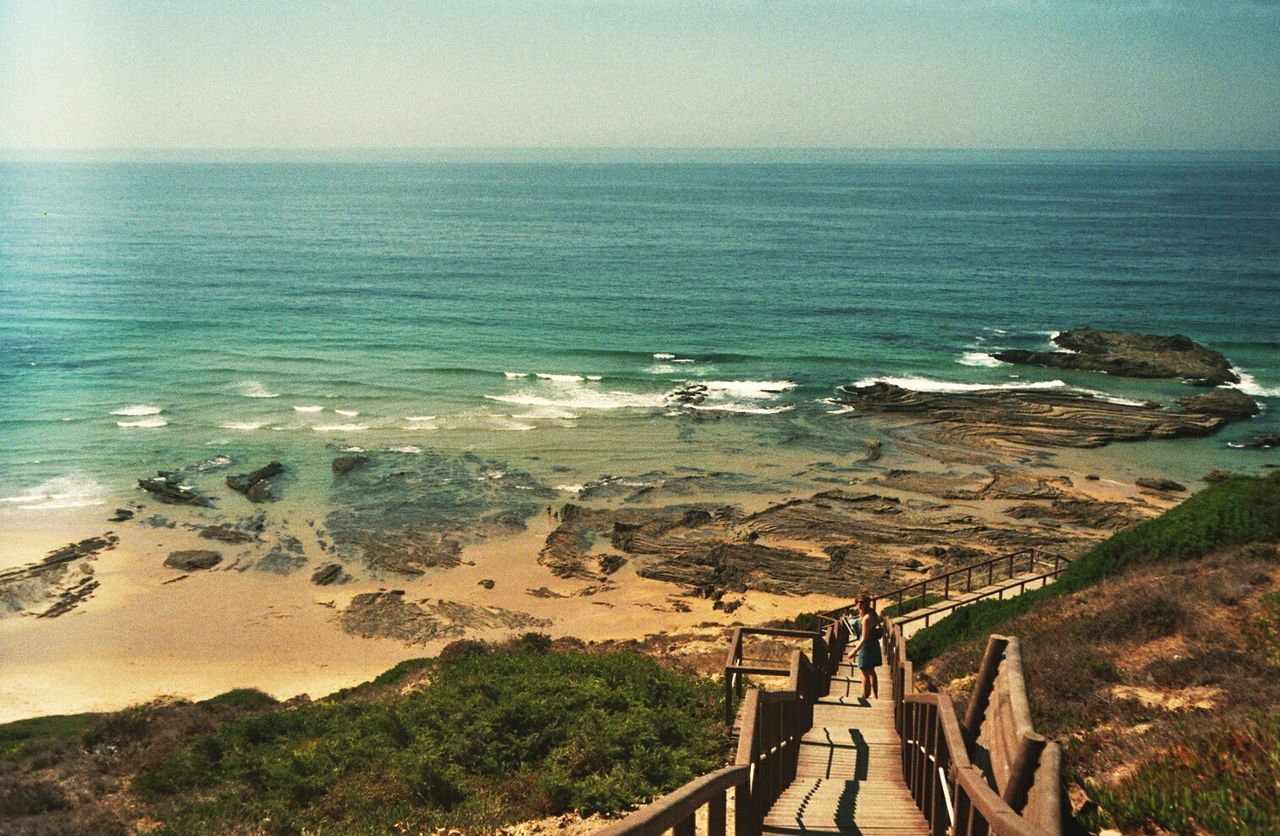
(155,311)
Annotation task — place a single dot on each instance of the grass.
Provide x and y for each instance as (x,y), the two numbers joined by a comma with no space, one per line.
(496,737)
(15,737)
(1222,778)
(1240,510)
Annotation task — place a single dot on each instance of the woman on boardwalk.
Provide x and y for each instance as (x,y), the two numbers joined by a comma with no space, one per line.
(868,647)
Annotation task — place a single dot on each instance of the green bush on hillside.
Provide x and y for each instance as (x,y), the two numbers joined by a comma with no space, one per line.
(1237,511)
(494,738)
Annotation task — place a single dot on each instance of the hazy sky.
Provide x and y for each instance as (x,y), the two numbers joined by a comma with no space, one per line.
(625,73)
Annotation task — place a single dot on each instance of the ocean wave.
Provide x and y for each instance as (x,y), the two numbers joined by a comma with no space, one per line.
(243,426)
(750,409)
(756,389)
(154,422)
(138,409)
(683,360)
(59,492)
(408,448)
(979,358)
(420,418)
(1109,398)
(1250,386)
(347,413)
(515,375)
(595,378)
(571,488)
(662,355)
(560,378)
(340,428)
(256,389)
(583,398)
(929,384)
(308,408)
(840,408)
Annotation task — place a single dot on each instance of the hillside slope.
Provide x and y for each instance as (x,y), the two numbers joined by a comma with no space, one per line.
(1156,662)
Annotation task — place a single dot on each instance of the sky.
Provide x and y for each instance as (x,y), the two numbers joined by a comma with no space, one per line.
(937,74)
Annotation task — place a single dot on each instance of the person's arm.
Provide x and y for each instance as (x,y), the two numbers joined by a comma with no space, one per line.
(866,632)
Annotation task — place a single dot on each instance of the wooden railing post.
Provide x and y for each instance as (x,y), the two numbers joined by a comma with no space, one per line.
(982,687)
(1023,770)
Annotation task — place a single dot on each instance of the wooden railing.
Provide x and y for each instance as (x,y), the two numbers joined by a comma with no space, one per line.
(991,774)
(768,746)
(826,649)
(960,582)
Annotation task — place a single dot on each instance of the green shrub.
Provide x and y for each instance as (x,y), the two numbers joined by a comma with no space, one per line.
(247,699)
(1220,779)
(494,737)
(18,736)
(912,604)
(1237,511)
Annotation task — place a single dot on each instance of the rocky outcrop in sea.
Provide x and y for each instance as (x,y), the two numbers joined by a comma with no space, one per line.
(1130,355)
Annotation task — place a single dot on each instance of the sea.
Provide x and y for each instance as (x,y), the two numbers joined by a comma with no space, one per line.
(187,309)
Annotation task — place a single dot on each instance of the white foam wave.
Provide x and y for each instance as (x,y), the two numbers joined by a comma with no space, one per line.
(515,375)
(661,368)
(352,450)
(571,488)
(979,358)
(683,360)
(515,426)
(751,409)
(662,355)
(256,389)
(1103,396)
(595,378)
(308,408)
(1250,386)
(243,426)
(138,409)
(755,389)
(560,378)
(420,418)
(408,448)
(59,492)
(840,408)
(583,398)
(928,384)
(340,428)
(154,422)
(347,413)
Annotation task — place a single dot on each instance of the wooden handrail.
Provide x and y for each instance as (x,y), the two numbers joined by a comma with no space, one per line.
(954,792)
(677,810)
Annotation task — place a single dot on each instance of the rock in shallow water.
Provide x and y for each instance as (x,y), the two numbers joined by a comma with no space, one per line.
(1131,355)
(343,465)
(255,484)
(192,559)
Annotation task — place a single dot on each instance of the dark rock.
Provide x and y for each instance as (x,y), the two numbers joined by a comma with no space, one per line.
(246,482)
(1030,417)
(343,465)
(1155,483)
(168,487)
(120,515)
(1092,477)
(192,559)
(1229,403)
(280,562)
(1131,355)
(328,574)
(488,583)
(912,563)
(610,563)
(1215,476)
(226,534)
(1263,441)
(259,491)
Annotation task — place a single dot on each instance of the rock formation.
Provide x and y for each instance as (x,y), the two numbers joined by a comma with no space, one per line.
(1131,355)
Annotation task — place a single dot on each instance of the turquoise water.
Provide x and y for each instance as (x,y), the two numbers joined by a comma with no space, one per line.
(155,313)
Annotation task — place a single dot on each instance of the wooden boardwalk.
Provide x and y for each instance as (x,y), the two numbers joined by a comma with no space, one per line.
(849,775)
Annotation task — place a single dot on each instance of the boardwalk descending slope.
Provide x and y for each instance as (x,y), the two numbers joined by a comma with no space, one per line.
(849,776)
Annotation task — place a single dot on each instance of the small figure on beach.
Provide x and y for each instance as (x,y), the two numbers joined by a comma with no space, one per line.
(868,648)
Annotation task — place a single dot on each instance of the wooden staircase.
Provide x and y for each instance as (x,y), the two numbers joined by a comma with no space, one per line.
(849,769)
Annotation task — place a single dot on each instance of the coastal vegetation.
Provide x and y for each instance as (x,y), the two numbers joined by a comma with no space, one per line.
(480,737)
(1154,661)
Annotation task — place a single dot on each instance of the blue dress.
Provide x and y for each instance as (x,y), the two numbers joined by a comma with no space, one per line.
(869,656)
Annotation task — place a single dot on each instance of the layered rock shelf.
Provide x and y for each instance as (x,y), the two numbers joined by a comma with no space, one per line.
(1131,355)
